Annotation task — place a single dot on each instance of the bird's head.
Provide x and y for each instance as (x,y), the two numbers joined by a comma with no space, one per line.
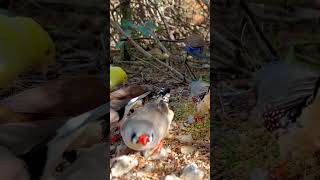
(139,135)
(142,137)
(195,40)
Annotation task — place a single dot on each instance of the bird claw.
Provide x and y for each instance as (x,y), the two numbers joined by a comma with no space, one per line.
(158,148)
(116,135)
(198,117)
(279,174)
(279,171)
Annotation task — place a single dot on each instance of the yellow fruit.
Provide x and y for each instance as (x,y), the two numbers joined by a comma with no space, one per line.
(24,45)
(117,76)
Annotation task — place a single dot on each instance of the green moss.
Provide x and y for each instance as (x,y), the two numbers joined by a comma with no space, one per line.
(199,130)
(183,109)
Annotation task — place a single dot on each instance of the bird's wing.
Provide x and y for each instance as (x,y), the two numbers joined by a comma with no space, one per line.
(284,85)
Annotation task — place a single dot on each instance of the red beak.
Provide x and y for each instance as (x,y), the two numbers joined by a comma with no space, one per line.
(144,139)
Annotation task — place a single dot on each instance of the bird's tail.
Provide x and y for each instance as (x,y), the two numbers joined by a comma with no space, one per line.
(164,99)
(162,95)
(165,94)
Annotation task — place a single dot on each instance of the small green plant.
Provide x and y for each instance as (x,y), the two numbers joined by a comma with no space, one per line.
(200,128)
(137,30)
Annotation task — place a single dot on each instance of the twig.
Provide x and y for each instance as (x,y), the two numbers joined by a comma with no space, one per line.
(201,2)
(233,47)
(148,38)
(222,108)
(147,54)
(230,64)
(162,18)
(189,69)
(226,94)
(258,30)
(308,59)
(219,37)
(102,41)
(156,67)
(299,14)
(129,62)
(159,43)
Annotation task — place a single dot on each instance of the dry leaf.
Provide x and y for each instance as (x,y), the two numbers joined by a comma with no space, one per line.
(8,116)
(61,97)
(128,92)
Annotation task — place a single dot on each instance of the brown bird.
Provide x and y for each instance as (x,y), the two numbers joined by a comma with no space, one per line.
(195,40)
(195,45)
(284,93)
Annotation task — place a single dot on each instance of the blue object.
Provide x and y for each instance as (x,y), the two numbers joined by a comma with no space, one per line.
(194,50)
(190,119)
(197,52)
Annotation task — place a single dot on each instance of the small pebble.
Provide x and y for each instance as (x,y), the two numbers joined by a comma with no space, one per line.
(148,168)
(122,165)
(112,147)
(172,177)
(190,119)
(169,166)
(182,125)
(163,154)
(174,124)
(187,150)
(141,174)
(185,138)
(192,172)
(259,174)
(121,149)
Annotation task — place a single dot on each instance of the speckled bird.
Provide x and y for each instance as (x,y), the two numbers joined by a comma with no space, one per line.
(283,92)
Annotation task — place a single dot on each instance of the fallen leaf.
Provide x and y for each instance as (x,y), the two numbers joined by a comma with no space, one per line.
(128,92)
(61,97)
(8,116)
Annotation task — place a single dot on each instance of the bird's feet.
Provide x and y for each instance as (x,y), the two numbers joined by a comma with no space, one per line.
(279,172)
(198,117)
(115,135)
(158,148)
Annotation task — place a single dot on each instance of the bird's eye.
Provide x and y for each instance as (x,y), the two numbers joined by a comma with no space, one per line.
(47,52)
(133,137)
